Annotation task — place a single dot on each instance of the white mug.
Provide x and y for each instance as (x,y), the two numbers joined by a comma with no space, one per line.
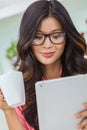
(12,87)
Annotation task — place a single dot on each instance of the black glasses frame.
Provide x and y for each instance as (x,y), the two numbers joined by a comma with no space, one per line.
(49,36)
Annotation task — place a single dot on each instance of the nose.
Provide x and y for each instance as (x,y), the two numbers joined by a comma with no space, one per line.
(47,43)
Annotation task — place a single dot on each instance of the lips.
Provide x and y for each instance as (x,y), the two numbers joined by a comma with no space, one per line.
(47,54)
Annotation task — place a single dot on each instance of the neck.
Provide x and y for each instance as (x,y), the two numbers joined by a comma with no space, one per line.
(52,71)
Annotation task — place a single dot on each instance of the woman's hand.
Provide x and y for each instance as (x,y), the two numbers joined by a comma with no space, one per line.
(12,119)
(3,104)
(83,114)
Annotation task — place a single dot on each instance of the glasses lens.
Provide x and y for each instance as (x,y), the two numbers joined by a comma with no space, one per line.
(57,37)
(38,39)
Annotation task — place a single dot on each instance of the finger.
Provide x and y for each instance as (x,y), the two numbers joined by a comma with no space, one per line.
(2,97)
(3,100)
(85,105)
(81,114)
(0,91)
(82,125)
(85,128)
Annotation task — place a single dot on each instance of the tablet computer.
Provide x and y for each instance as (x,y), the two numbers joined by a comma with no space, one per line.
(58,100)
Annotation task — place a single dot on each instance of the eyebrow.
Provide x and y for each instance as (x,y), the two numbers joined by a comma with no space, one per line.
(51,31)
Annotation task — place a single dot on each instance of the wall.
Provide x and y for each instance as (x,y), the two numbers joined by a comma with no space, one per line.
(79,19)
(8,31)
(78,11)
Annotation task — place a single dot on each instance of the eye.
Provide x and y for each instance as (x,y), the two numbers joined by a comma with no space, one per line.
(57,35)
(38,37)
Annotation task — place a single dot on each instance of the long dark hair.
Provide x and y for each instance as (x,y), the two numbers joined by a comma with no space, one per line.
(73,61)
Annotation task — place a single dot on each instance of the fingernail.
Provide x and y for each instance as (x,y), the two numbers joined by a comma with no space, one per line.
(85,104)
(77,115)
(78,127)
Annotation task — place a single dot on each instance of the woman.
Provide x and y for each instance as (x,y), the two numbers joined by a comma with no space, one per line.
(49,47)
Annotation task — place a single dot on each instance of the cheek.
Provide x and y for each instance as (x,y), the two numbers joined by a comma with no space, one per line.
(35,50)
(60,48)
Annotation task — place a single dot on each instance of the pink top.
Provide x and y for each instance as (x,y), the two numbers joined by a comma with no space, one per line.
(20,115)
(22,119)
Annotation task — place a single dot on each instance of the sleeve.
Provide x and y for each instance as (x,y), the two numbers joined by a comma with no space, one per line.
(22,119)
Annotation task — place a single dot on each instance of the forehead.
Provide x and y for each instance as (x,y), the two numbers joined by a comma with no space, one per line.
(49,24)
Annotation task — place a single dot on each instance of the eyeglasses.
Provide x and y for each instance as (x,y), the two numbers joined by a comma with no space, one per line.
(55,38)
